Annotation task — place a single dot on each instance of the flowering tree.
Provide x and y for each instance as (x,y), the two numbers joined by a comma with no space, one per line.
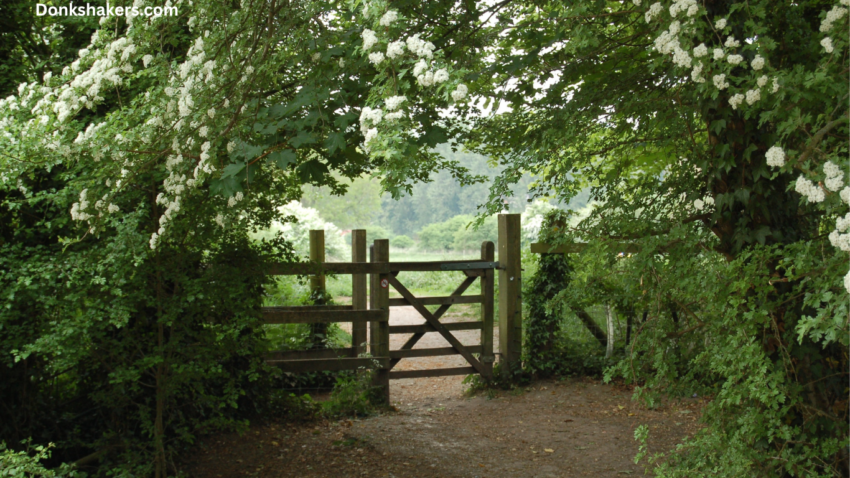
(132,174)
(713,135)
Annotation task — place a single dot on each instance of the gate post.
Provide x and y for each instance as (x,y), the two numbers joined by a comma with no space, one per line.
(380,331)
(318,332)
(510,294)
(358,290)
(488,253)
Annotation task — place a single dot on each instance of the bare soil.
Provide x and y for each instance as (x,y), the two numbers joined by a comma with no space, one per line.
(566,428)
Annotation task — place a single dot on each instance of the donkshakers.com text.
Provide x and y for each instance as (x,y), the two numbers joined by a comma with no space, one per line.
(89,10)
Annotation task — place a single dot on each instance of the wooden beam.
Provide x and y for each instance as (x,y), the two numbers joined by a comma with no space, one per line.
(439,372)
(433,265)
(488,253)
(452,299)
(432,352)
(380,331)
(426,327)
(451,339)
(272,315)
(359,298)
(327,365)
(510,294)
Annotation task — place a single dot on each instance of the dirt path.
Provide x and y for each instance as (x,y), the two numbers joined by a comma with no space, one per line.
(550,429)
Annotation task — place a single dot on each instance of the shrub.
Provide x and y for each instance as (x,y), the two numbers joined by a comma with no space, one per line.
(402,242)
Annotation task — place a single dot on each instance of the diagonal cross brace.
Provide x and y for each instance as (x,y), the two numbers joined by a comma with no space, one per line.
(437,314)
(438,326)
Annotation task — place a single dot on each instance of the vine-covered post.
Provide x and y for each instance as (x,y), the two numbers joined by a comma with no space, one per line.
(379,341)
(318,332)
(488,253)
(510,294)
(358,290)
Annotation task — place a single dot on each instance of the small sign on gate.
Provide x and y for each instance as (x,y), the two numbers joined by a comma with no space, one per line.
(385,283)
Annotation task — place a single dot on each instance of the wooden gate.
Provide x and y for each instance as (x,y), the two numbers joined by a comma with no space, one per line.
(382,275)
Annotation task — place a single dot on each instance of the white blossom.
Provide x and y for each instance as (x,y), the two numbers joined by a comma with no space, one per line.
(211,113)
(419,67)
(826,43)
(146,60)
(831,17)
(775,157)
(371,134)
(731,42)
(753,96)
(231,146)
(389,18)
(419,47)
(696,74)
(316,57)
(734,59)
(700,51)
(426,79)
(831,169)
(762,81)
(719,53)
(441,76)
(720,24)
(394,102)
(154,240)
(834,183)
(736,100)
(113,209)
(720,81)
(757,63)
(845,195)
(376,58)
(681,57)
(395,115)
(843,223)
(653,11)
(636,2)
(775,86)
(809,190)
(369,39)
(342,63)
(395,49)
(460,92)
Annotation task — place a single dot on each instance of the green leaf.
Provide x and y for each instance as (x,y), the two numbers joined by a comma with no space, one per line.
(282,158)
(335,141)
(232,170)
(302,138)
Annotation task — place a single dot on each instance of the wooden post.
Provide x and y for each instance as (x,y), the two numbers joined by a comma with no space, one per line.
(488,254)
(380,331)
(318,332)
(359,300)
(510,294)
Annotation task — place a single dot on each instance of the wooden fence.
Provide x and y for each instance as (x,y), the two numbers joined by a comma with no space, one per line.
(374,315)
